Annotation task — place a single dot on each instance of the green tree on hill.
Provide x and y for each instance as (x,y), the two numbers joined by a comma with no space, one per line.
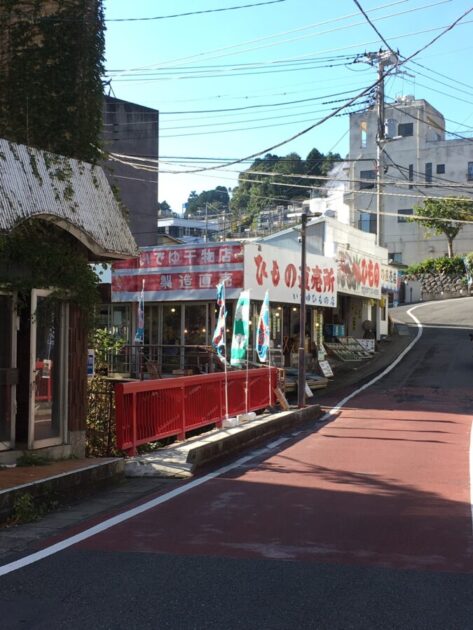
(216,200)
(257,190)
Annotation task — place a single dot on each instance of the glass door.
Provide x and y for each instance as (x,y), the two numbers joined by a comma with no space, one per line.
(8,371)
(48,371)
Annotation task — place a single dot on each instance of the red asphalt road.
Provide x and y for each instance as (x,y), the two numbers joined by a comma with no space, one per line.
(376,486)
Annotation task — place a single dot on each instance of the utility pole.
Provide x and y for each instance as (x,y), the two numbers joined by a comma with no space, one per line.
(301,354)
(382,58)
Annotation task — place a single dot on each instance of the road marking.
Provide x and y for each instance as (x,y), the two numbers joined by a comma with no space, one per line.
(471,475)
(119,518)
(277,442)
(334,410)
(149,505)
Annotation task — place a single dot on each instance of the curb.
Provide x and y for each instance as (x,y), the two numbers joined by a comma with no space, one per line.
(251,435)
(59,489)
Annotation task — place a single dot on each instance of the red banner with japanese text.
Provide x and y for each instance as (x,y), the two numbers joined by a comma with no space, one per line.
(179,272)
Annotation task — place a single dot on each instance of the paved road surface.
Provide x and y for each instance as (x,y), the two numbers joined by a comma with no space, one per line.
(366,523)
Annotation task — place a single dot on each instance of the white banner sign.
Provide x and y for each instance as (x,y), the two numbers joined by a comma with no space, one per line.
(358,274)
(389,280)
(278,270)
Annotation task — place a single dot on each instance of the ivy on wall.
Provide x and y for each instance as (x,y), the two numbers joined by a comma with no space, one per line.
(51,64)
(38,255)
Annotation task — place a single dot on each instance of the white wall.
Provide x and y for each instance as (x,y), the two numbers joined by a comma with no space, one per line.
(426,145)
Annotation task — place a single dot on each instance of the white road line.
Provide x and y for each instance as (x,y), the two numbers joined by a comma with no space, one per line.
(277,442)
(125,516)
(342,403)
(119,518)
(471,475)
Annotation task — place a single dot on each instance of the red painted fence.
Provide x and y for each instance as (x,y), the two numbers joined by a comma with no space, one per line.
(147,411)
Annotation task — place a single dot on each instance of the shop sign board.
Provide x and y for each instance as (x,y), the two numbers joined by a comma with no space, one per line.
(278,270)
(179,272)
(389,280)
(326,368)
(358,274)
(90,362)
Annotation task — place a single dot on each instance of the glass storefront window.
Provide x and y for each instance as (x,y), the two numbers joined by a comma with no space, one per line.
(195,329)
(171,337)
(276,326)
(48,374)
(171,324)
(120,324)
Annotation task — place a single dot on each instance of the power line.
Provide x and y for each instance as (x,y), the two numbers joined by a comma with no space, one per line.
(373,26)
(411,115)
(259,106)
(349,103)
(188,13)
(249,64)
(232,47)
(191,74)
(252,177)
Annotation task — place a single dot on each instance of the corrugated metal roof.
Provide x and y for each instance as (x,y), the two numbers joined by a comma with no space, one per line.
(75,195)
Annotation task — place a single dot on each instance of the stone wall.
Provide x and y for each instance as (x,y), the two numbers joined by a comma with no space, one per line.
(441,286)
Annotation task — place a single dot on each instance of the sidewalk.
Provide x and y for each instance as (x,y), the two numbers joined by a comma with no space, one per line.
(57,482)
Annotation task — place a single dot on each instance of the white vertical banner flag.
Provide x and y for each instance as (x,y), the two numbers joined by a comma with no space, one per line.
(241,330)
(263,331)
(140,328)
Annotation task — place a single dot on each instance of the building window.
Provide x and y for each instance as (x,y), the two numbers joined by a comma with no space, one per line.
(440,169)
(411,175)
(363,129)
(405,129)
(395,257)
(367,222)
(470,171)
(366,185)
(390,128)
(428,173)
(401,213)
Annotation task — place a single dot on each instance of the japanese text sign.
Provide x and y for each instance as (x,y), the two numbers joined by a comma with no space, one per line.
(179,272)
(278,270)
(358,274)
(389,279)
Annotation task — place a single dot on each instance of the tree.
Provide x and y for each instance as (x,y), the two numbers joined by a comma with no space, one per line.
(51,67)
(217,200)
(256,191)
(164,208)
(440,216)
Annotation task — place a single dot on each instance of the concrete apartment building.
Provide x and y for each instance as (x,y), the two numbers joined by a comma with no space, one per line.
(419,160)
(133,130)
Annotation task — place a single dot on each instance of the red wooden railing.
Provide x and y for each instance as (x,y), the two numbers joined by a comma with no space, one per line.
(147,411)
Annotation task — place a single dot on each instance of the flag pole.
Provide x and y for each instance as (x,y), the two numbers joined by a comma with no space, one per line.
(247,360)
(142,306)
(269,361)
(225,360)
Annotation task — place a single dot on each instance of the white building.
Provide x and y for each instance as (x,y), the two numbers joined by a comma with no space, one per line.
(419,161)
(188,230)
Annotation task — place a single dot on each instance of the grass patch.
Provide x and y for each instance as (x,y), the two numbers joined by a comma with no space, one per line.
(32,459)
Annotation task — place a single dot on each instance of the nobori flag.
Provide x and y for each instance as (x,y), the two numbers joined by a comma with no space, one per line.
(218,339)
(140,329)
(241,330)
(262,339)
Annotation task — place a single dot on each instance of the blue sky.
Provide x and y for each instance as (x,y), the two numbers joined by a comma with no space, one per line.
(280,67)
